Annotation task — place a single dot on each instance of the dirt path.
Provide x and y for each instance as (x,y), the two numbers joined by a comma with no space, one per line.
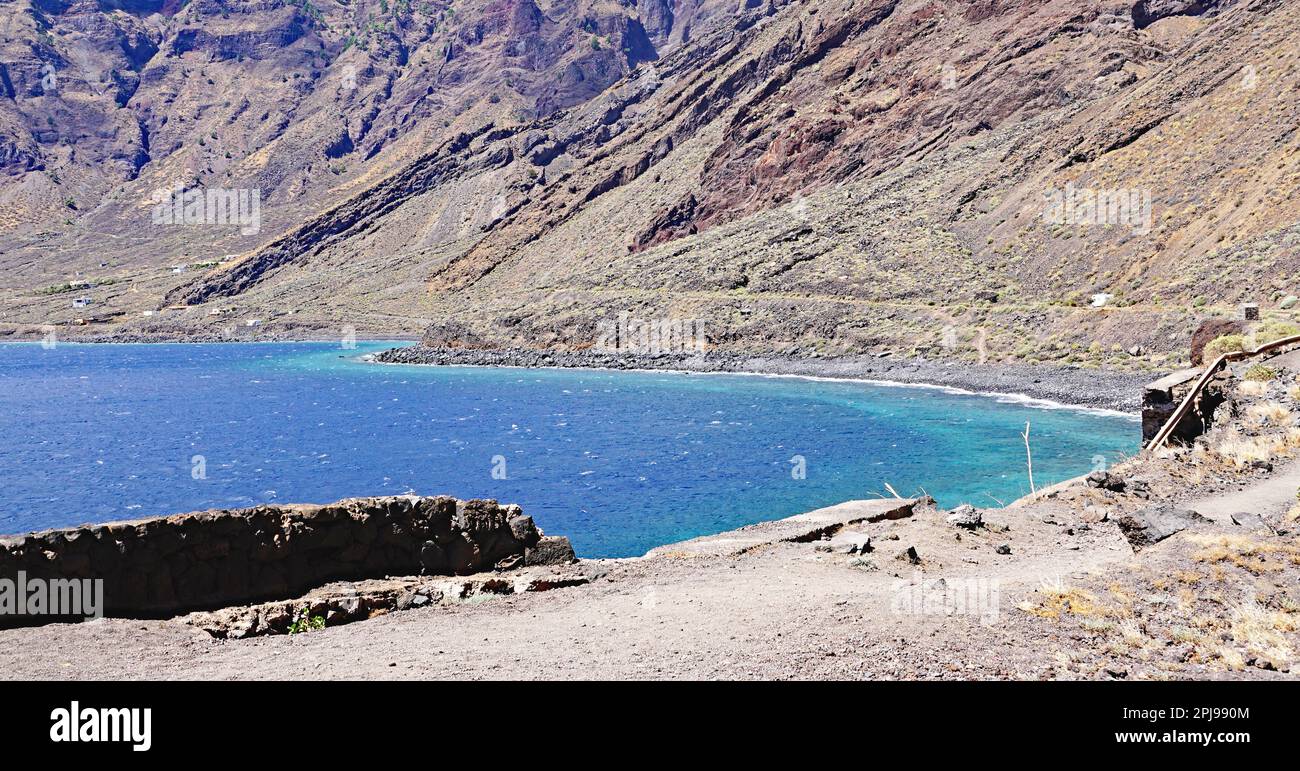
(1271,497)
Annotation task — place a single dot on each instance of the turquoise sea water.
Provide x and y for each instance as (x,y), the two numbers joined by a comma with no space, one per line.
(618,461)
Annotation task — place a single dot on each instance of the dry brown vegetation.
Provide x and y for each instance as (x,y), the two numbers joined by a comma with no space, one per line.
(1231,605)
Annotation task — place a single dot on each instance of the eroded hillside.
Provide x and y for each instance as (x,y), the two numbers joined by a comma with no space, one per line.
(827,176)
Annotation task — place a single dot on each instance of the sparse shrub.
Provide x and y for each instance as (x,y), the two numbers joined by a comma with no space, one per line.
(1268,412)
(1242,451)
(1130,630)
(56,289)
(1260,373)
(1261,630)
(1252,388)
(1225,344)
(304,621)
(1275,330)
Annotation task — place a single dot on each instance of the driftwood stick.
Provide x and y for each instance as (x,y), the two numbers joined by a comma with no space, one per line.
(1029,456)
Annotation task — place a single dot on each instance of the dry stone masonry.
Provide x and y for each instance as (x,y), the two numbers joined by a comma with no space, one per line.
(213,559)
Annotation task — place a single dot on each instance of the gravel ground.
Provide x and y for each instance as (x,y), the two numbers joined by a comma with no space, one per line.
(1074,386)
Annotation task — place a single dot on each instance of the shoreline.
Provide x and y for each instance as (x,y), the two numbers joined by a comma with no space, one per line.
(1046,386)
(1043,386)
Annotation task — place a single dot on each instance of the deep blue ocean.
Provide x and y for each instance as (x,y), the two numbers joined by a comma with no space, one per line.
(618,461)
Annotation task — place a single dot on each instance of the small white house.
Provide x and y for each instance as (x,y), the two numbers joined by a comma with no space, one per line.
(81,302)
(1102,299)
(253,323)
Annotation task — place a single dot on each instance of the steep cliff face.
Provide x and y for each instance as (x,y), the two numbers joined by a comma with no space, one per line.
(833,175)
(307,102)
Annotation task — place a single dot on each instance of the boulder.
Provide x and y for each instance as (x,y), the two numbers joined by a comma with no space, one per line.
(1288,302)
(1209,330)
(1250,521)
(851,543)
(966,516)
(433,558)
(1104,480)
(909,555)
(522,526)
(1155,523)
(550,550)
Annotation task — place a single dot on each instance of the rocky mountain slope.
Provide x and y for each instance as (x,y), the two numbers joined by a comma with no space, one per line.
(821,177)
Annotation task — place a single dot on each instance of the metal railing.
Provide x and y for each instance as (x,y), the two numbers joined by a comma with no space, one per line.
(1188,401)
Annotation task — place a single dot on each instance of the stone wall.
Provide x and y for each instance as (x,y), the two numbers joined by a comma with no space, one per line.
(1160,400)
(212,559)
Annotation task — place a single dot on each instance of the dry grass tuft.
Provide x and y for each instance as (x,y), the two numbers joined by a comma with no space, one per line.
(1255,556)
(1261,630)
(1232,658)
(1252,388)
(1268,413)
(1241,451)
(1057,602)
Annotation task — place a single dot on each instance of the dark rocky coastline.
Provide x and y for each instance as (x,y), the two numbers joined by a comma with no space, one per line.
(209,559)
(1074,386)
